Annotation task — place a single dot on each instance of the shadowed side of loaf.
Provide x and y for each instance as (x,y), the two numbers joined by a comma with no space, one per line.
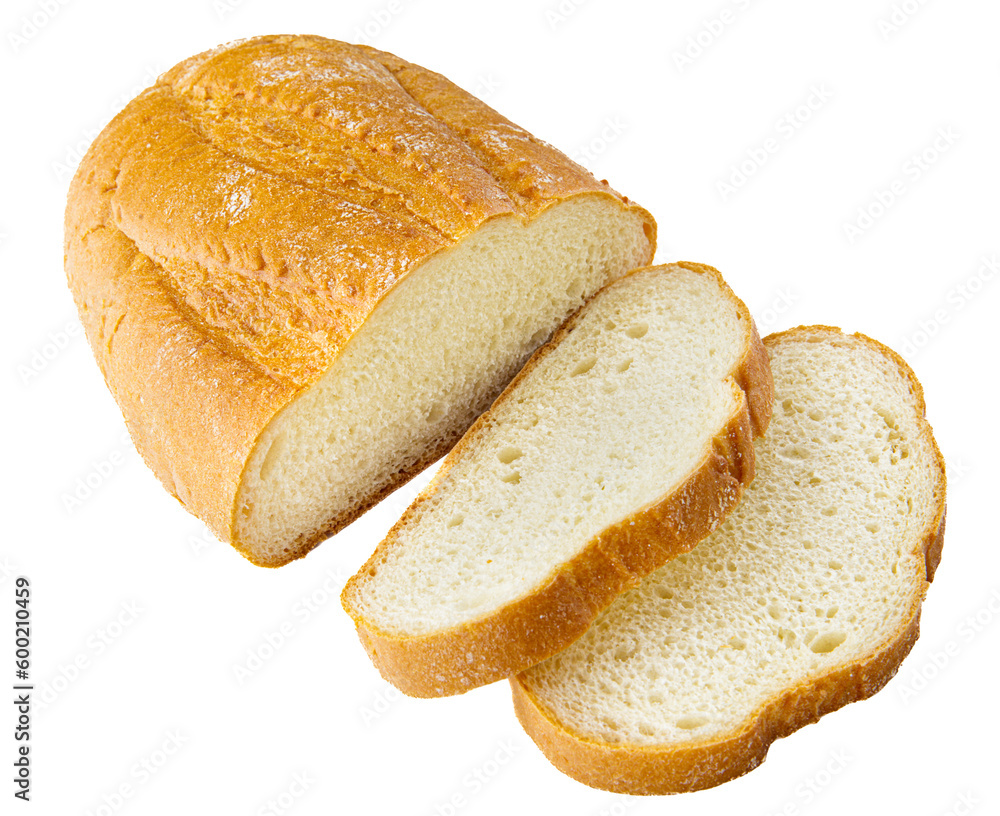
(304,267)
(805,599)
(622,443)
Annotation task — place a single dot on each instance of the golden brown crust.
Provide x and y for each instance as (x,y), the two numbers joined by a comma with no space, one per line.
(546,621)
(639,770)
(233,227)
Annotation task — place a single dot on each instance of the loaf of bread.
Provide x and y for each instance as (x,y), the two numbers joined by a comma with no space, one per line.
(622,443)
(306,267)
(805,599)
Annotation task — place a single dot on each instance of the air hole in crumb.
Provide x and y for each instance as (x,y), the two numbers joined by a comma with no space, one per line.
(456,520)
(832,611)
(624,652)
(737,642)
(637,330)
(829,511)
(436,413)
(509,454)
(872,527)
(272,458)
(692,721)
(512,478)
(623,366)
(794,452)
(828,642)
(584,366)
(538,338)
(610,325)
(816,414)
(835,564)
(663,592)
(575,289)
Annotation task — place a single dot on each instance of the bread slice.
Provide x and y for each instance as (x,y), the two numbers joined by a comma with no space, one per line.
(306,267)
(622,443)
(807,597)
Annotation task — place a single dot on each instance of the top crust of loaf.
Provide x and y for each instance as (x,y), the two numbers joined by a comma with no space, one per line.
(524,632)
(234,226)
(701,763)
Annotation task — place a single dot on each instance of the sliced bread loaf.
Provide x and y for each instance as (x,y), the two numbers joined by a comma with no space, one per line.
(805,599)
(305,267)
(622,443)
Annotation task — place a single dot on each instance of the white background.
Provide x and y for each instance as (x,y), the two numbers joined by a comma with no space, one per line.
(603,80)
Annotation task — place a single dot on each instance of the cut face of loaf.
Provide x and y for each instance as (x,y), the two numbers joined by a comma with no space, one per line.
(805,599)
(305,267)
(621,443)
(426,363)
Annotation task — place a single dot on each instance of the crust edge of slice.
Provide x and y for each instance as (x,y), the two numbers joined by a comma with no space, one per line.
(653,770)
(537,625)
